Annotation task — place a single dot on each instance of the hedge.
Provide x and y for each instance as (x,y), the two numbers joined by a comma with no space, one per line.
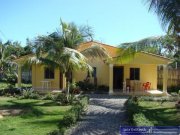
(135,115)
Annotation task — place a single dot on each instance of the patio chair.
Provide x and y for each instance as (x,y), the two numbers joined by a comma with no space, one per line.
(146,86)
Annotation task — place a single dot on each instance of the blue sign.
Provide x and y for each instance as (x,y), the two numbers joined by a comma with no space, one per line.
(150,130)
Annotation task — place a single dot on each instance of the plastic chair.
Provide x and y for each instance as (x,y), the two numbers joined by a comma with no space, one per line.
(146,86)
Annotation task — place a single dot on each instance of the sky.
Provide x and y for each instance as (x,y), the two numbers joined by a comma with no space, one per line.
(113,21)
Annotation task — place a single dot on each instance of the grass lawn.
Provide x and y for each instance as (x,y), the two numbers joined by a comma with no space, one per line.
(161,115)
(38,117)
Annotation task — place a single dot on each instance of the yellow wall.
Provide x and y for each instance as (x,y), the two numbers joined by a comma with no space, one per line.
(148,73)
(38,76)
(102,72)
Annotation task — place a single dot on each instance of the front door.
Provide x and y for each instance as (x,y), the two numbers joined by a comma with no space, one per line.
(118,75)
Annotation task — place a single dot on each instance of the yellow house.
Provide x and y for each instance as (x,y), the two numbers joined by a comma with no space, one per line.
(131,74)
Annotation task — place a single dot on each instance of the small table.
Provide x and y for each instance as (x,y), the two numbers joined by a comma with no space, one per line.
(46,84)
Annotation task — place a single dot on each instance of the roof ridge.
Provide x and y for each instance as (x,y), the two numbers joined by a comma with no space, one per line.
(98,43)
(156,55)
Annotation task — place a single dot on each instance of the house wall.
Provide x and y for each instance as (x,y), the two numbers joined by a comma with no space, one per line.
(38,76)
(148,73)
(102,73)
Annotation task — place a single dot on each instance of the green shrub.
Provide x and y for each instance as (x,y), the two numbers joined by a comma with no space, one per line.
(69,119)
(84,101)
(61,98)
(140,120)
(131,108)
(48,96)
(77,109)
(175,94)
(73,115)
(29,94)
(173,89)
(86,86)
(172,98)
(74,89)
(10,78)
(11,91)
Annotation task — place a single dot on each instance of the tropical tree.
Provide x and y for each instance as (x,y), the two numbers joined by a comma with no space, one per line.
(161,45)
(59,49)
(168,12)
(7,66)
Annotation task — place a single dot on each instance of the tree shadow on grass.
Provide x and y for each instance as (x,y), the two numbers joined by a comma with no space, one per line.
(28,108)
(19,105)
(162,116)
(45,122)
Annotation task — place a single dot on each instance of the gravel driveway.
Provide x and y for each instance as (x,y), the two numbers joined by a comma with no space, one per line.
(104,116)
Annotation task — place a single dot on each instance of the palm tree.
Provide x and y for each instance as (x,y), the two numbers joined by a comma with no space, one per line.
(160,45)
(58,49)
(168,12)
(6,61)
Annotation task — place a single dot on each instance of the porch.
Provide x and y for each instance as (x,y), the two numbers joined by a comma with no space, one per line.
(138,75)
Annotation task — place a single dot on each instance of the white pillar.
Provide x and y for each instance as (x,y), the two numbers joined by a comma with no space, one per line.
(165,78)
(110,78)
(19,76)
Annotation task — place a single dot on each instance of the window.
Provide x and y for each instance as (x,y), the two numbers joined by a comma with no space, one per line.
(48,73)
(134,73)
(94,72)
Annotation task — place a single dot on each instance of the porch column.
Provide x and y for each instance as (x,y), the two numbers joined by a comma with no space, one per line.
(165,78)
(64,81)
(19,75)
(110,78)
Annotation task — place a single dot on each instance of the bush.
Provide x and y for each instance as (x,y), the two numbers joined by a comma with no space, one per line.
(174,94)
(74,89)
(10,91)
(73,115)
(69,119)
(140,120)
(77,109)
(61,98)
(11,78)
(172,98)
(132,108)
(48,96)
(84,101)
(29,94)
(102,89)
(174,89)
(86,86)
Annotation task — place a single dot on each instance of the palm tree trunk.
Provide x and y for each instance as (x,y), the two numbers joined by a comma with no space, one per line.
(68,83)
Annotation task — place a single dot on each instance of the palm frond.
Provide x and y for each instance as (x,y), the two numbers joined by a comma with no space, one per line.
(168,12)
(96,51)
